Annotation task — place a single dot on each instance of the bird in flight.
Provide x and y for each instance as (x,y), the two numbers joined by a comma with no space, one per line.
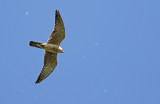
(52,48)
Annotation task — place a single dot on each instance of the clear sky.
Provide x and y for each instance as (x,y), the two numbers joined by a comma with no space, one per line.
(111,52)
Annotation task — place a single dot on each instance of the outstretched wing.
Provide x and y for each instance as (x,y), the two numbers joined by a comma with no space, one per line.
(58,33)
(50,62)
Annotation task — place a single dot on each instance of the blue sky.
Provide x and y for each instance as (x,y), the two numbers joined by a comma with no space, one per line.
(112,52)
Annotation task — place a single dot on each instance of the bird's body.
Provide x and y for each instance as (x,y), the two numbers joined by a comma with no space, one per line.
(52,48)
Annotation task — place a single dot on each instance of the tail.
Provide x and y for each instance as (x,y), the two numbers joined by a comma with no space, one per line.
(36,44)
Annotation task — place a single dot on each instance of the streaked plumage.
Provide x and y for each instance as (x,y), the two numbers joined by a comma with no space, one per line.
(51,48)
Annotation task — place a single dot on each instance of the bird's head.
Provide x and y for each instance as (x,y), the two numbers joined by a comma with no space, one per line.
(60,50)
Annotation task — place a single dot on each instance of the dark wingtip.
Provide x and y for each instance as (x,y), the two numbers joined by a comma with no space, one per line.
(57,13)
(38,81)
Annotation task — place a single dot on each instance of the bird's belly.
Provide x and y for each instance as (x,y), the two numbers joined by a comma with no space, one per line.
(51,48)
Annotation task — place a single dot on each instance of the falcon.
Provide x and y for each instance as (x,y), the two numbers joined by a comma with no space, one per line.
(52,48)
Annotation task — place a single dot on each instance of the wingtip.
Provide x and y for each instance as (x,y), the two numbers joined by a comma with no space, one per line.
(38,81)
(57,10)
(57,13)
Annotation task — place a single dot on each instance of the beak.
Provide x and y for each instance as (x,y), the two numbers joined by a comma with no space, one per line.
(62,51)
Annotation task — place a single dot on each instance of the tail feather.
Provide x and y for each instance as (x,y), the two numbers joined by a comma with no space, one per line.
(36,44)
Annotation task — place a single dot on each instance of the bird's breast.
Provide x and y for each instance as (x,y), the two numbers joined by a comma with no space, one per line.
(51,48)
